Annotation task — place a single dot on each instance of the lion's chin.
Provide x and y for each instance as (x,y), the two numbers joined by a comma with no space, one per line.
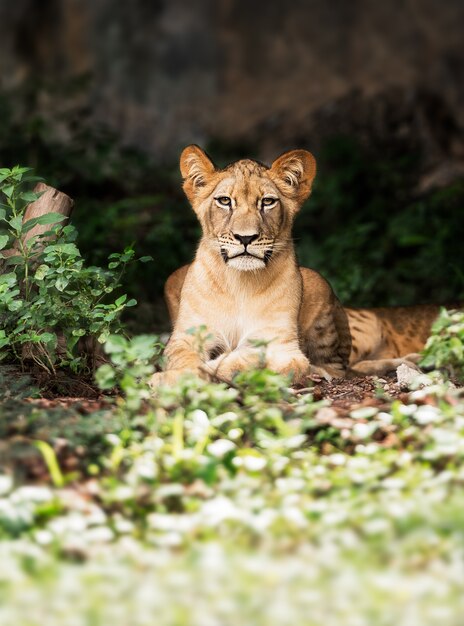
(246,263)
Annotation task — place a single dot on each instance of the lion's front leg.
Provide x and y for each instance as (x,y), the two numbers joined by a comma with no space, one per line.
(289,360)
(185,354)
(280,358)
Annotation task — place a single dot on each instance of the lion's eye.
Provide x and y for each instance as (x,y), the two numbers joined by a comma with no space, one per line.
(224,201)
(267,203)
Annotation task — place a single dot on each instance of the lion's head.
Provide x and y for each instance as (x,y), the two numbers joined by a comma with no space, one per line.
(246,210)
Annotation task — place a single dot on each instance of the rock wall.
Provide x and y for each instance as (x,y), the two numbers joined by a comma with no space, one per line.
(163,73)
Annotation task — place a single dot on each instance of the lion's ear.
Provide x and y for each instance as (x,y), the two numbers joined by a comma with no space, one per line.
(196,168)
(294,173)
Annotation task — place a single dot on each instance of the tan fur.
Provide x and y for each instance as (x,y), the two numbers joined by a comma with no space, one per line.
(265,296)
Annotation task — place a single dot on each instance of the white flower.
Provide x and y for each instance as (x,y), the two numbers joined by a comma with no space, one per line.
(253,463)
(74,524)
(6,484)
(200,424)
(262,520)
(113,439)
(398,509)
(99,534)
(235,433)
(376,526)
(168,540)
(32,494)
(446,437)
(219,509)
(146,468)
(363,431)
(337,459)
(332,518)
(364,412)
(170,490)
(219,420)
(43,537)
(221,447)
(427,414)
(15,514)
(371,447)
(296,516)
(296,441)
(290,484)
(172,522)
(123,525)
(407,409)
(385,418)
(404,458)
(393,483)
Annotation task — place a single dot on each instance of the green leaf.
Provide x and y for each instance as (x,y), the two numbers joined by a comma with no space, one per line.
(144,346)
(3,241)
(15,260)
(16,223)
(61,283)
(115,343)
(8,190)
(51,462)
(105,377)
(41,271)
(2,214)
(47,218)
(15,305)
(20,170)
(8,279)
(48,338)
(63,248)
(30,196)
(121,300)
(145,259)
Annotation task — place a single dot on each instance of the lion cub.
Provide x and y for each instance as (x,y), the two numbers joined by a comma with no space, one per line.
(246,288)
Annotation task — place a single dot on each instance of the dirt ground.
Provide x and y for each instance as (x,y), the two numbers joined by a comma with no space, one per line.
(344,394)
(348,394)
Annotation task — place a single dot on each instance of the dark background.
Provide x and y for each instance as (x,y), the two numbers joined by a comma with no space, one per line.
(101,96)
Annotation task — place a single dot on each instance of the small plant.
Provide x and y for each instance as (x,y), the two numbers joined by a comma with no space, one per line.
(49,298)
(445,346)
(130,368)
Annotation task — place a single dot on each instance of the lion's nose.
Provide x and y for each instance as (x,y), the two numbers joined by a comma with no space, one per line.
(245,239)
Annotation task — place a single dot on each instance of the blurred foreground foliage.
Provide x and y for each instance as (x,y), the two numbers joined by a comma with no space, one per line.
(445,346)
(252,504)
(365,228)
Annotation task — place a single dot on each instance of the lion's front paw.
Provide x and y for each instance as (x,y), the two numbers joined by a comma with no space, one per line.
(297,367)
(162,379)
(167,378)
(318,373)
(227,365)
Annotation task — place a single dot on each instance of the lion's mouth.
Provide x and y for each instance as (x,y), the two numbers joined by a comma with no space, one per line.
(245,253)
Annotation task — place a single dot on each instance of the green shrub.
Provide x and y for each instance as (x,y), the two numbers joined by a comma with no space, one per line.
(49,298)
(445,346)
(130,367)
